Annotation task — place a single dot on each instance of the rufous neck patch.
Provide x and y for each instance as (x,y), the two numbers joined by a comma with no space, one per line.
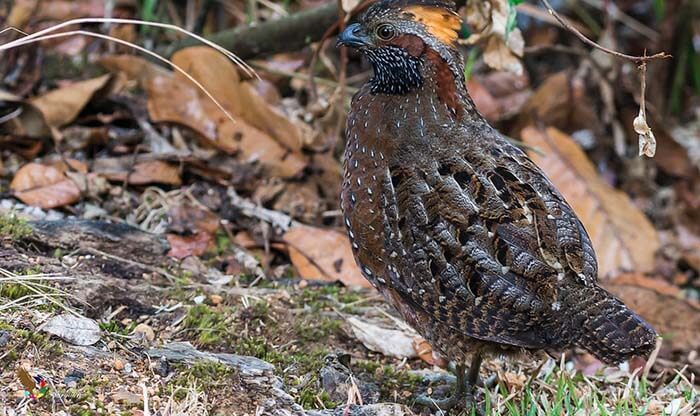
(442,23)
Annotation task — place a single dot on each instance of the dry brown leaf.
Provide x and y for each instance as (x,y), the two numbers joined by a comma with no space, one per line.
(676,319)
(30,122)
(320,254)
(62,105)
(186,246)
(561,102)
(489,21)
(389,342)
(70,9)
(172,99)
(218,75)
(484,101)
(189,217)
(44,186)
(499,56)
(144,173)
(622,236)
(22,11)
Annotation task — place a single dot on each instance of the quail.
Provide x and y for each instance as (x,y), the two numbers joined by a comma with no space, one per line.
(458,229)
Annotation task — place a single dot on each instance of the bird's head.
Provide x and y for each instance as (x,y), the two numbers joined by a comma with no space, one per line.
(400,36)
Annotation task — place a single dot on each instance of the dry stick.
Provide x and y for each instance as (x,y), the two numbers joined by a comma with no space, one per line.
(327,34)
(649,147)
(584,39)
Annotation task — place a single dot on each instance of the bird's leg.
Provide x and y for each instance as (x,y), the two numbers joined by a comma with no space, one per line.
(473,379)
(450,402)
(464,389)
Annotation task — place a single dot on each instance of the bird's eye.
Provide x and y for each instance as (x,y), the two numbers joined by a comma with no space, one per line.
(386,32)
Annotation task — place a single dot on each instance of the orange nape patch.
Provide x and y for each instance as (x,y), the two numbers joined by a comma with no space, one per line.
(442,23)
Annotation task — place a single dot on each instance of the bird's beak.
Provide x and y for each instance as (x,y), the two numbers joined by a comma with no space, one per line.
(353,36)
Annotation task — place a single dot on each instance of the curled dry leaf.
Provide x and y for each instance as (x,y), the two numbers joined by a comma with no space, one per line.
(62,105)
(175,99)
(30,120)
(425,352)
(389,342)
(504,45)
(219,76)
(44,186)
(193,245)
(676,319)
(622,236)
(320,254)
(647,141)
(561,102)
(78,330)
(142,173)
(188,217)
(70,9)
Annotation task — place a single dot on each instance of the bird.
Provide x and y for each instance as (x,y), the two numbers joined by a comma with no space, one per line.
(459,230)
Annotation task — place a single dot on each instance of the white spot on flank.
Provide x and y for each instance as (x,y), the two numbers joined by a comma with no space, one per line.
(441,299)
(556,306)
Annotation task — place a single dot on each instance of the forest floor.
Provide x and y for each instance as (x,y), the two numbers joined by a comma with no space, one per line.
(171,243)
(166,339)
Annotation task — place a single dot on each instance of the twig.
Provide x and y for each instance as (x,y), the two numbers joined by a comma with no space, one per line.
(279,220)
(327,34)
(584,39)
(143,266)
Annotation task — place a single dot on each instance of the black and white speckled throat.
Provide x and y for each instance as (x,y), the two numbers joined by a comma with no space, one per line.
(395,71)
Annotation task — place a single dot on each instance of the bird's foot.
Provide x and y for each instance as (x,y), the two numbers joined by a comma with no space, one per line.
(468,401)
(438,405)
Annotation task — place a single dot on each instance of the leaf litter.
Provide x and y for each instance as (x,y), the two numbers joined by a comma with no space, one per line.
(242,182)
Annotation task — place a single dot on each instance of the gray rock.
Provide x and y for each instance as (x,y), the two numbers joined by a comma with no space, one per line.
(257,376)
(378,409)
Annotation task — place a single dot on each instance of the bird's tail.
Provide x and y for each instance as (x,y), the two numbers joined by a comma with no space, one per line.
(613,332)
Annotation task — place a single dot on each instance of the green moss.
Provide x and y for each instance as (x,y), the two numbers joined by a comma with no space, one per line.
(115,327)
(388,378)
(14,228)
(313,329)
(209,323)
(204,373)
(309,398)
(14,291)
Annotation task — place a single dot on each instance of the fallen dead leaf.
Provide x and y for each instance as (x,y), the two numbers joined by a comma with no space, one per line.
(389,342)
(320,254)
(214,71)
(504,45)
(70,9)
(676,319)
(177,100)
(425,352)
(188,217)
(78,330)
(44,186)
(622,236)
(29,122)
(22,11)
(484,101)
(186,246)
(561,102)
(62,105)
(142,173)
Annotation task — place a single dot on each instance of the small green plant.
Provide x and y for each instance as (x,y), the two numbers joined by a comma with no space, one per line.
(14,228)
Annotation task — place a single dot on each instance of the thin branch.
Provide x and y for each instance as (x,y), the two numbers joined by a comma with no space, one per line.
(584,39)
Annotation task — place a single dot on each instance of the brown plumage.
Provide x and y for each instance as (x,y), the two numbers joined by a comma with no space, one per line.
(462,233)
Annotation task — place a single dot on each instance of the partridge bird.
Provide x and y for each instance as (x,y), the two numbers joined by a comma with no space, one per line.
(459,230)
